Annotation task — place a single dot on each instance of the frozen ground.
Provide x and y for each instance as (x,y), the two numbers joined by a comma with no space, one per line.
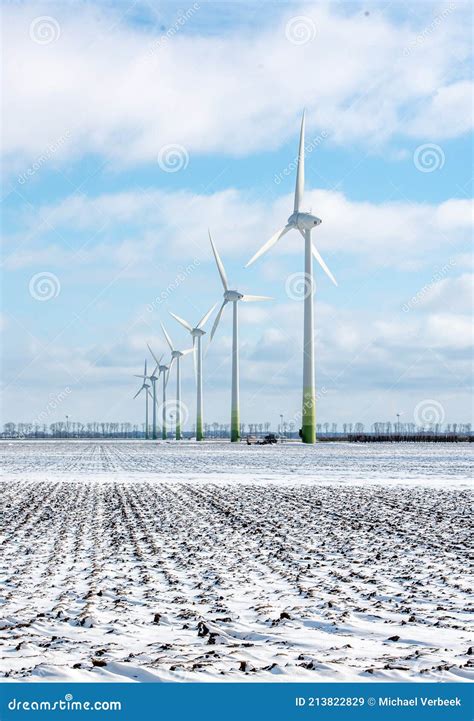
(133,561)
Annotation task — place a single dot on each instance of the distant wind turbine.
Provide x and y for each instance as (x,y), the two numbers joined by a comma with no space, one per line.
(232,296)
(305,223)
(164,371)
(145,386)
(176,355)
(154,378)
(197,333)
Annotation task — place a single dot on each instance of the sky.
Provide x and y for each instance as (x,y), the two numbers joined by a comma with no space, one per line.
(130,128)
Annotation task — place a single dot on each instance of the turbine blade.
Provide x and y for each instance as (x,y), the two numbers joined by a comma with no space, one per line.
(323,264)
(251,298)
(187,351)
(156,368)
(269,244)
(144,372)
(138,392)
(136,375)
(182,321)
(154,356)
(218,317)
(205,318)
(168,339)
(220,265)
(299,188)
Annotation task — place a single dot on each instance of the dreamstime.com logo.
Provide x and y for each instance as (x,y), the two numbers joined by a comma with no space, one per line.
(299,286)
(173,157)
(428,157)
(45,156)
(300,30)
(66,704)
(44,286)
(51,406)
(179,278)
(428,413)
(309,146)
(308,405)
(172,410)
(435,278)
(182,18)
(45,30)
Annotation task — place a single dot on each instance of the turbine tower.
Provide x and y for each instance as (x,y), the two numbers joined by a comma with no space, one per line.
(197,334)
(176,355)
(163,370)
(145,386)
(305,223)
(232,296)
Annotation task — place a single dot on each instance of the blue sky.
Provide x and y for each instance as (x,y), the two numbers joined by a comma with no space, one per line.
(96,92)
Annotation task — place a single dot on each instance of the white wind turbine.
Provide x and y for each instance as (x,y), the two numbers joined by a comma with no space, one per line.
(164,371)
(176,355)
(305,223)
(232,296)
(154,378)
(146,387)
(197,334)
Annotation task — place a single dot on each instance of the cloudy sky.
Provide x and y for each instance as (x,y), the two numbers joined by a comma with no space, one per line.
(129,128)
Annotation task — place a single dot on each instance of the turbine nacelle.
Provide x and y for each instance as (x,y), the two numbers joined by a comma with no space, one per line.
(197,332)
(304,221)
(232,295)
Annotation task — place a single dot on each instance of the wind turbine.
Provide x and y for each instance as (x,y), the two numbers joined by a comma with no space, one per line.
(197,334)
(305,223)
(163,370)
(176,356)
(153,379)
(232,296)
(145,386)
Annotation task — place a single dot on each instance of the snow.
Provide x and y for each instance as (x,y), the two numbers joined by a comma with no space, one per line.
(142,561)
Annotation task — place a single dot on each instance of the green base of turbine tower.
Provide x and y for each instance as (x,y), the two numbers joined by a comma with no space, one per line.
(235,428)
(308,431)
(199,433)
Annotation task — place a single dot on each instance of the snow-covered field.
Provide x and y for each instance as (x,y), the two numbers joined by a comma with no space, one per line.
(139,561)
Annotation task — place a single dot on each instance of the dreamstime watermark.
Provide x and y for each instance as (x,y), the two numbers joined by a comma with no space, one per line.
(179,278)
(309,147)
(439,275)
(45,30)
(428,412)
(308,405)
(428,158)
(44,286)
(52,405)
(182,18)
(428,30)
(38,163)
(173,157)
(299,286)
(172,410)
(300,30)
(66,704)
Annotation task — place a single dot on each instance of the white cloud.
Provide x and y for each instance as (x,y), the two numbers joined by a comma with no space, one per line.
(451,294)
(396,234)
(106,83)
